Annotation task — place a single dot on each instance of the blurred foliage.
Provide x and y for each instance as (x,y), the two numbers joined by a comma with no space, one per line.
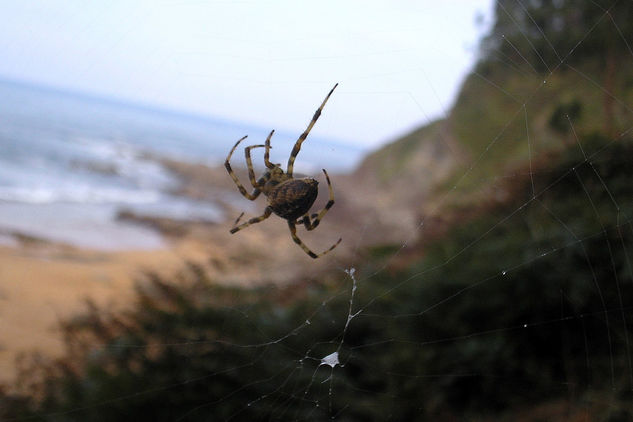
(392,160)
(550,72)
(544,33)
(529,302)
(544,281)
(563,114)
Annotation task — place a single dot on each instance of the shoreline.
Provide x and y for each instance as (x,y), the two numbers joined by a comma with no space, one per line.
(44,282)
(56,257)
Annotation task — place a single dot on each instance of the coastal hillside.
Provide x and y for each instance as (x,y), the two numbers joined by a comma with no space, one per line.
(527,100)
(492,279)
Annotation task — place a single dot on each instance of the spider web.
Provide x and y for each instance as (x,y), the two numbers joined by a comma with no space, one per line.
(386,323)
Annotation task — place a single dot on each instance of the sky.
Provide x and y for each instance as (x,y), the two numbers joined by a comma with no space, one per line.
(268,63)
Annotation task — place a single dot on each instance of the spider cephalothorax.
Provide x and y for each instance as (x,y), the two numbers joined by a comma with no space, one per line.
(289,198)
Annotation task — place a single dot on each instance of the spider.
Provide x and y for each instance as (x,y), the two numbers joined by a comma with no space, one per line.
(289,198)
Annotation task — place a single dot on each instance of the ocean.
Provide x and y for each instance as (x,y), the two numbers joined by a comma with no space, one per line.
(70,162)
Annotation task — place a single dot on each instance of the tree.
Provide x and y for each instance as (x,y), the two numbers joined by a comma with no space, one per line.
(547,35)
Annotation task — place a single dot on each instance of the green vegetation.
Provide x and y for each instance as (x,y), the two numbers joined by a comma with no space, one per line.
(528,302)
(389,161)
(476,335)
(535,91)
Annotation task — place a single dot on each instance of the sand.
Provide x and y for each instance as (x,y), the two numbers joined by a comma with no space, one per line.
(42,283)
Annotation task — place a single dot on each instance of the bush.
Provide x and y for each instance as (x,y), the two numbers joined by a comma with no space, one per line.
(526,304)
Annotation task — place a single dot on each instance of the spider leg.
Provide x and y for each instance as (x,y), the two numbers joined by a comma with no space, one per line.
(304,135)
(267,153)
(318,216)
(237,220)
(249,164)
(267,212)
(256,192)
(293,233)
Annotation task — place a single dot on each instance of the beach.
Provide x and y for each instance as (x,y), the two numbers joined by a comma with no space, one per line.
(44,282)
(96,194)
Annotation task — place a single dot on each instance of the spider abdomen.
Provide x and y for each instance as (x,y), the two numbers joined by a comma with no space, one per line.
(293,198)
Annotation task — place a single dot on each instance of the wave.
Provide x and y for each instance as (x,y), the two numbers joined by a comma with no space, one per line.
(77,194)
(122,159)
